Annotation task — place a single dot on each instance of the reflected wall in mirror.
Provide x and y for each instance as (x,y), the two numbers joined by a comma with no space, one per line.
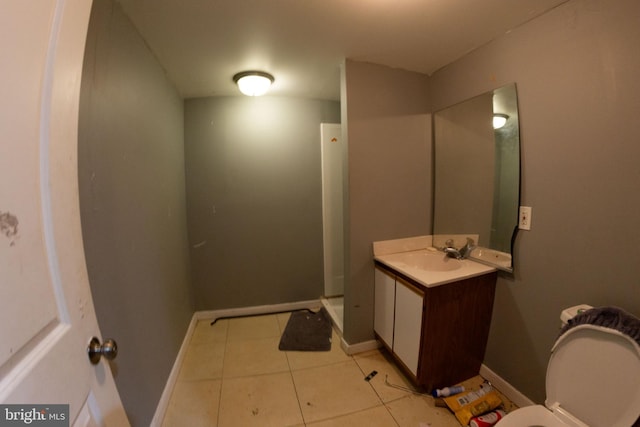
(477,175)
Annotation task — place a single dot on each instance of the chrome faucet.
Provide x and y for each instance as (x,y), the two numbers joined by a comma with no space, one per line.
(465,251)
(461,253)
(452,252)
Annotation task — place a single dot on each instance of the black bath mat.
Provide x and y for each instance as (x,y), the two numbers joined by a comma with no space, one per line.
(307,331)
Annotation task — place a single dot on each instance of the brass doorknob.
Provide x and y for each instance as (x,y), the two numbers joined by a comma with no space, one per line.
(109,350)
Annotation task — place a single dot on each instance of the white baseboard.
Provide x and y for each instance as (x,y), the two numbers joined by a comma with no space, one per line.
(360,347)
(163,404)
(505,388)
(337,322)
(260,309)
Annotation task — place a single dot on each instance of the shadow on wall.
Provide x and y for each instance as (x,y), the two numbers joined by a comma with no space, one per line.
(521,347)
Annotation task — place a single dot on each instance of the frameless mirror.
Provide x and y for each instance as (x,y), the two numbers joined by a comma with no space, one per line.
(477,175)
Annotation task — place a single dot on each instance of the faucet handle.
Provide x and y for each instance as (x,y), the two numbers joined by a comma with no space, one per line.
(465,251)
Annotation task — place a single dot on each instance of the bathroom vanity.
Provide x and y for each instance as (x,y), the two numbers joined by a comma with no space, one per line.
(433,313)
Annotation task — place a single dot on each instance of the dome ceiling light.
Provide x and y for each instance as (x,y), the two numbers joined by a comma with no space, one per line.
(253,83)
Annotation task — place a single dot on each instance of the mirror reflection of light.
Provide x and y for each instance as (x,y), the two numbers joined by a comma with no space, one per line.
(499,120)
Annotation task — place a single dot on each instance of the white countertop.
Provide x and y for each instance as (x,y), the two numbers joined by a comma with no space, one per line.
(415,259)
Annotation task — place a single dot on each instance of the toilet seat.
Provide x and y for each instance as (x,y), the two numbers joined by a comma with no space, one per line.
(593,379)
(536,415)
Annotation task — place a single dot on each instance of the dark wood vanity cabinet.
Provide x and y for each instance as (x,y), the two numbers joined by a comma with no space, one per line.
(454,326)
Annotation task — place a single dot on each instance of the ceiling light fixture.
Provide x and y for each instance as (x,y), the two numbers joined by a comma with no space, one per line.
(499,120)
(253,83)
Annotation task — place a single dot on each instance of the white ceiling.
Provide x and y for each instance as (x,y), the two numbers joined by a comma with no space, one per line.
(203,43)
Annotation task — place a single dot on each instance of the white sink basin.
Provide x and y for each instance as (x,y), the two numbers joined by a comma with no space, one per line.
(432,268)
(425,260)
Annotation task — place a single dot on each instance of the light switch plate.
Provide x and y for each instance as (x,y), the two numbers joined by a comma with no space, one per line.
(524,221)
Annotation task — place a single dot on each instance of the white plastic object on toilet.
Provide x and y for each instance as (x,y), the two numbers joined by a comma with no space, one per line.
(571,312)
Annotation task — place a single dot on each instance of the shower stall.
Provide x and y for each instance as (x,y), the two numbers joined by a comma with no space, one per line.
(332,221)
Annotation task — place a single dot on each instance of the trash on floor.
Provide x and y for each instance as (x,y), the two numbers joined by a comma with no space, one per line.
(440,393)
(439,402)
(488,419)
(468,405)
(447,391)
(371,375)
(399,387)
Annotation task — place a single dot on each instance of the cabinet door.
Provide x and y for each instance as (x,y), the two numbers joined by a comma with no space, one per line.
(384,306)
(408,325)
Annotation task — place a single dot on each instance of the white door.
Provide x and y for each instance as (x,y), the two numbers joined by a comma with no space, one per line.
(46,312)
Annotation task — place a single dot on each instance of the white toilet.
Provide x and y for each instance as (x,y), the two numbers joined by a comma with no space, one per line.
(593,380)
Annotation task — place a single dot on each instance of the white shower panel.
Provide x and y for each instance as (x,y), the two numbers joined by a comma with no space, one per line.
(331,146)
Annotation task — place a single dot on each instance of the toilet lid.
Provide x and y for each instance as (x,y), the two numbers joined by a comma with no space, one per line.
(594,374)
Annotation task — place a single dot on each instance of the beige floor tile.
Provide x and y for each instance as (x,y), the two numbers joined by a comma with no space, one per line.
(267,400)
(333,390)
(254,327)
(194,404)
(375,417)
(206,333)
(254,357)
(412,410)
(283,319)
(203,361)
(233,374)
(309,359)
(380,361)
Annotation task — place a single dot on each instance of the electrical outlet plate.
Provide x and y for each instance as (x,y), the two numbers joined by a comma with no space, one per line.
(524,218)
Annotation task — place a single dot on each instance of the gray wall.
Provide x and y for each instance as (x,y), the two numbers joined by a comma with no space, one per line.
(254,199)
(388,182)
(576,70)
(132,197)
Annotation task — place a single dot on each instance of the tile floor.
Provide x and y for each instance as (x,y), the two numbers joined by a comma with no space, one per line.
(234,375)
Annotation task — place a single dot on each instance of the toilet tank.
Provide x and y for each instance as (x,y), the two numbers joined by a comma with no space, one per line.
(571,312)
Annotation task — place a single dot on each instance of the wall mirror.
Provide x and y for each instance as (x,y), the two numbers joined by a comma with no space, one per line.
(477,175)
